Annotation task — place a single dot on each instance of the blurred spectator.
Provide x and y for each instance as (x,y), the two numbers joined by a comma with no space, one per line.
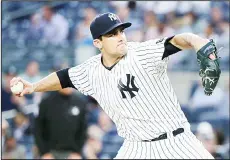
(13,150)
(159,7)
(146,5)
(165,7)
(132,5)
(123,12)
(184,23)
(22,132)
(93,144)
(111,141)
(198,23)
(56,27)
(117,4)
(32,74)
(216,15)
(22,127)
(183,16)
(83,35)
(133,33)
(224,7)
(223,42)
(5,131)
(217,21)
(183,7)
(201,7)
(209,33)
(207,135)
(10,102)
(63,134)
(84,49)
(35,31)
(150,23)
(161,30)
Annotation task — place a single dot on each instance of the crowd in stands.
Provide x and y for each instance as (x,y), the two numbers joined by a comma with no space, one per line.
(67,25)
(51,27)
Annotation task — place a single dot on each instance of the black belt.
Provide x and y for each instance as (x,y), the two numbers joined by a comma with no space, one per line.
(164,136)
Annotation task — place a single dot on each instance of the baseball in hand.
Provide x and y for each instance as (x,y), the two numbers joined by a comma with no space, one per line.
(17,88)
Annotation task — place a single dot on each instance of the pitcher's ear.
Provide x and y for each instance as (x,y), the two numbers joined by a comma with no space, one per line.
(97,43)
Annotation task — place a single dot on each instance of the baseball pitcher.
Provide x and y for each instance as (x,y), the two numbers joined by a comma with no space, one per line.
(129,80)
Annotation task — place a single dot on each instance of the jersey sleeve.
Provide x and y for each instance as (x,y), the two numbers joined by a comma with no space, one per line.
(79,77)
(154,54)
(76,77)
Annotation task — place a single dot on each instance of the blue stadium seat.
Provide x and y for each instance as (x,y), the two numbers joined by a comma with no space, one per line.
(194,86)
(187,112)
(92,116)
(38,55)
(200,113)
(111,143)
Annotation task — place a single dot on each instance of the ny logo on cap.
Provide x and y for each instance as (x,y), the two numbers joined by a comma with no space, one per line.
(112,17)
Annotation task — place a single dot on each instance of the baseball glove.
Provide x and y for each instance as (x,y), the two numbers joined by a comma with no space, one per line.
(209,69)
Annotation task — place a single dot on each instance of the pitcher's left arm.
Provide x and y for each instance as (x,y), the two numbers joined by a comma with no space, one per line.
(207,57)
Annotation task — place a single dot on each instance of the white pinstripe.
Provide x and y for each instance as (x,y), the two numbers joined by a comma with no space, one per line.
(153,110)
(183,146)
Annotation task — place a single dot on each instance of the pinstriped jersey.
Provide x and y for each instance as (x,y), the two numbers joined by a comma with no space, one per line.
(136,93)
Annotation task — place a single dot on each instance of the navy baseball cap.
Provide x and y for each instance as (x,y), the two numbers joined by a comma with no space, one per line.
(105,23)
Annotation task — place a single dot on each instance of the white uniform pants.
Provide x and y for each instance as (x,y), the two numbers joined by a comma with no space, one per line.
(183,146)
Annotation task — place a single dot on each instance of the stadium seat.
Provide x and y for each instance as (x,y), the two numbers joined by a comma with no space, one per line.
(187,112)
(200,113)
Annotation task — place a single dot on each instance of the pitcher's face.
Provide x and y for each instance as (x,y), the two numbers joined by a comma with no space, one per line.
(114,43)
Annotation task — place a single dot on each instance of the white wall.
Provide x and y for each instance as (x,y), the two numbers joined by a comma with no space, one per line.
(181,82)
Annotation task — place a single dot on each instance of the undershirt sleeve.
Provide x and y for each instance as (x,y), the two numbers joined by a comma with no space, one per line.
(64,78)
(169,48)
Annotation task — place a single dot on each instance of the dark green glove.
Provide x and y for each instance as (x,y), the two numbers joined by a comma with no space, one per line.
(209,69)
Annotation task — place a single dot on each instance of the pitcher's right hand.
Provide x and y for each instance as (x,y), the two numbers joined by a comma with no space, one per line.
(27,86)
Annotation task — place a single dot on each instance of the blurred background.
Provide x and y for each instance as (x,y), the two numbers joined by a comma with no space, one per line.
(41,37)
